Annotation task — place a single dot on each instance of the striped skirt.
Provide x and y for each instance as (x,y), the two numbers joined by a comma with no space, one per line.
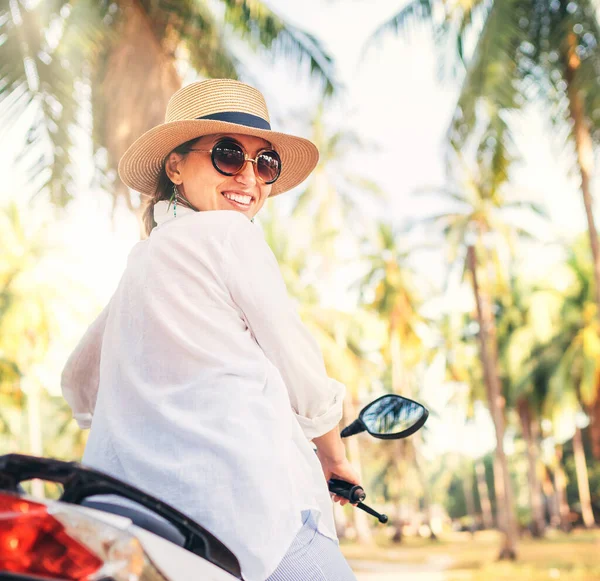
(312,557)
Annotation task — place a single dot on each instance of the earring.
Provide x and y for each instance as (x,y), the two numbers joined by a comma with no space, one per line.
(174,200)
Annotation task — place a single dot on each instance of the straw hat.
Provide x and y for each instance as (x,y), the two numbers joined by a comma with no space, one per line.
(205,108)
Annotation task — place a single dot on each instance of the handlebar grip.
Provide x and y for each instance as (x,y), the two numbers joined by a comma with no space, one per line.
(353,492)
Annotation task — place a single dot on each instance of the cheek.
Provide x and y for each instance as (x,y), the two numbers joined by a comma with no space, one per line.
(200,181)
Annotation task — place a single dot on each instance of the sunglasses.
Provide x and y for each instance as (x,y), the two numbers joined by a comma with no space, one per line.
(229,159)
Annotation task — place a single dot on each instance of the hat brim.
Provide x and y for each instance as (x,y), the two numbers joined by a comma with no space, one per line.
(141,164)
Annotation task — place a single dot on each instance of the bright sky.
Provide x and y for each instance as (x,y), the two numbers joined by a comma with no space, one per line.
(391,98)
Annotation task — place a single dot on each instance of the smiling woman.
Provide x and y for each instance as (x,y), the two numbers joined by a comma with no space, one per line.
(200,382)
(222,176)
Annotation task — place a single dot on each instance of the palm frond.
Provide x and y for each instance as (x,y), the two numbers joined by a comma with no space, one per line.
(256,23)
(415,12)
(493,72)
(195,26)
(32,75)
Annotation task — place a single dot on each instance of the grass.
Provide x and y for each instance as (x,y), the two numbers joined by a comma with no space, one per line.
(573,557)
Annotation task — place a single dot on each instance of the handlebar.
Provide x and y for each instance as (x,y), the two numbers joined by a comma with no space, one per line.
(355,494)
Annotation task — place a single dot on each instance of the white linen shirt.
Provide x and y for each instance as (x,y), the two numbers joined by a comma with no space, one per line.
(203,387)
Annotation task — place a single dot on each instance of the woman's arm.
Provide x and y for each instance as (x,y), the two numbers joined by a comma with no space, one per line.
(332,455)
(81,375)
(257,287)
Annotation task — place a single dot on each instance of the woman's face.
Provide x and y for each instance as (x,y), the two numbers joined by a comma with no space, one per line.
(207,189)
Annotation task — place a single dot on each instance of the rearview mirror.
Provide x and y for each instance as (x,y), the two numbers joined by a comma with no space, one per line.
(389,417)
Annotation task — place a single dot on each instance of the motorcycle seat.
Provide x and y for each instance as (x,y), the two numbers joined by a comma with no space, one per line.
(141,518)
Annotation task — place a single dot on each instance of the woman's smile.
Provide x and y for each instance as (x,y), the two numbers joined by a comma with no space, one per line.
(238,199)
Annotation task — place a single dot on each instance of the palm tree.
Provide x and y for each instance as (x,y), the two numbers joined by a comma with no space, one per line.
(570,360)
(472,229)
(526,51)
(332,205)
(24,331)
(525,318)
(109,68)
(454,343)
(389,289)
(335,193)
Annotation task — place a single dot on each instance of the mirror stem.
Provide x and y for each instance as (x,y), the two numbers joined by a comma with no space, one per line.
(355,427)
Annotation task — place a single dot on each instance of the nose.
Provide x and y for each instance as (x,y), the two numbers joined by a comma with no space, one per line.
(247,175)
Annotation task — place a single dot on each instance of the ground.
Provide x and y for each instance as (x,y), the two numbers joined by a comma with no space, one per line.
(461,557)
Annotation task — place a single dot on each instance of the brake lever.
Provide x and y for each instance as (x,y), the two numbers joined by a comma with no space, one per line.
(355,494)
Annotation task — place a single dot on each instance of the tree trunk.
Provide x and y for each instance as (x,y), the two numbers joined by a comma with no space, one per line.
(583,149)
(136,77)
(551,498)
(529,430)
(467,485)
(489,359)
(398,525)
(484,496)
(585,161)
(594,413)
(583,482)
(426,494)
(560,485)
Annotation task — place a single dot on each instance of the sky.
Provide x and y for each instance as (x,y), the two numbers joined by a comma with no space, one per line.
(392,97)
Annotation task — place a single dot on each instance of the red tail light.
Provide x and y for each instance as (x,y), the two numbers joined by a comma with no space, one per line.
(33,541)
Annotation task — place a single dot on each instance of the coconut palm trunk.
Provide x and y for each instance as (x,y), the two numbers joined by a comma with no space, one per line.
(560,486)
(551,498)
(426,493)
(484,496)
(467,486)
(594,413)
(583,146)
(583,482)
(529,429)
(126,110)
(585,162)
(489,359)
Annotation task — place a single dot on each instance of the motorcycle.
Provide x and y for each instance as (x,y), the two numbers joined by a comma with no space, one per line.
(78,538)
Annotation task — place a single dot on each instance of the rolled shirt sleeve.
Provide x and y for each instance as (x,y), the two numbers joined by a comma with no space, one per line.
(257,287)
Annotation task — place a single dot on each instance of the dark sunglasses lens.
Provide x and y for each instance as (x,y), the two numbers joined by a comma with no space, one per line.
(228,157)
(268,166)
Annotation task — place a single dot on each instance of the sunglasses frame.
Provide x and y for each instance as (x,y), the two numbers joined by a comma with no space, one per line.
(247,159)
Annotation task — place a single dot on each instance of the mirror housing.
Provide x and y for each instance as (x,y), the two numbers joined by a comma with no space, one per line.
(389,417)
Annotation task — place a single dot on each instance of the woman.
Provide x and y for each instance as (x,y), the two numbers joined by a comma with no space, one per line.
(204,386)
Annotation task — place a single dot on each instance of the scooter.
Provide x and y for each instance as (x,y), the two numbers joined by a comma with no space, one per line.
(78,538)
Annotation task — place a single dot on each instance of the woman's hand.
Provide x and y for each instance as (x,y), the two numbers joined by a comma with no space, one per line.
(341,469)
(332,455)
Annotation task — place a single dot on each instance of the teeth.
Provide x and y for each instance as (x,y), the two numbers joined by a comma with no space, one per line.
(238,198)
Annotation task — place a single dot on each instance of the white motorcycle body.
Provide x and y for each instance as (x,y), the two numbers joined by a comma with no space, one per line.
(174,562)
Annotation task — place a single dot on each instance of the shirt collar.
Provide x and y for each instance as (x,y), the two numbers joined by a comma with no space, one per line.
(163,211)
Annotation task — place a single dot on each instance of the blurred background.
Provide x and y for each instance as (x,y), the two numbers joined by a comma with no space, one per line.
(445,247)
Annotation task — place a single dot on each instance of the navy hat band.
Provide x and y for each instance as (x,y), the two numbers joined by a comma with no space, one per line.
(238,118)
